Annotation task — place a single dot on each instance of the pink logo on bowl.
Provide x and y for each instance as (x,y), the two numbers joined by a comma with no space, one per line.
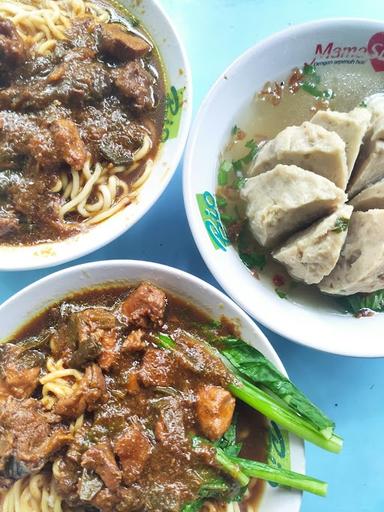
(376,51)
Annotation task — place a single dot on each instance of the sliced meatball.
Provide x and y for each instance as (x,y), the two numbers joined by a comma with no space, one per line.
(361,265)
(136,84)
(12,49)
(370,198)
(101,459)
(133,449)
(90,392)
(157,368)
(145,306)
(312,254)
(308,146)
(119,44)
(35,436)
(214,407)
(351,127)
(282,201)
(68,142)
(369,169)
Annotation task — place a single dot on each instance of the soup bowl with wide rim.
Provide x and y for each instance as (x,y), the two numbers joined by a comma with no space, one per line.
(286,449)
(327,41)
(177,121)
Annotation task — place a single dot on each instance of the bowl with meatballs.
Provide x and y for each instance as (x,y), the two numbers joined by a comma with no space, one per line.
(95,104)
(129,385)
(286,201)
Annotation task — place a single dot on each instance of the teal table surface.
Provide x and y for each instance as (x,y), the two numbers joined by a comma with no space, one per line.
(215,32)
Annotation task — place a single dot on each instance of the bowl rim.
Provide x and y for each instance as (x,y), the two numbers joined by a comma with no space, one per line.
(218,297)
(195,223)
(99,242)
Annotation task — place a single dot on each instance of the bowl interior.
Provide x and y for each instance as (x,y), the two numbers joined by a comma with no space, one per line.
(284,448)
(313,323)
(177,122)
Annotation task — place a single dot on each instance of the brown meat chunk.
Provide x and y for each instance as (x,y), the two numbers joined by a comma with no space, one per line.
(195,356)
(214,408)
(157,369)
(12,49)
(170,430)
(130,499)
(106,501)
(100,458)
(116,42)
(9,222)
(136,84)
(80,82)
(94,330)
(90,392)
(145,306)
(35,436)
(134,342)
(19,372)
(132,385)
(66,477)
(68,142)
(133,450)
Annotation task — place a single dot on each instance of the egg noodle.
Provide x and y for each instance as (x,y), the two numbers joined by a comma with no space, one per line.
(96,192)
(41,23)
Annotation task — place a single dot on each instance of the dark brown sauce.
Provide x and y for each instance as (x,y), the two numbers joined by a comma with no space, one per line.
(167,469)
(110,121)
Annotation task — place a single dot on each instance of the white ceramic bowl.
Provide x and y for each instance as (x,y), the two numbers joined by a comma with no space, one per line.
(287,449)
(311,324)
(179,101)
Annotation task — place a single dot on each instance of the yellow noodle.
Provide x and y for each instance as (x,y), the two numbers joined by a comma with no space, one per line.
(59,382)
(36,493)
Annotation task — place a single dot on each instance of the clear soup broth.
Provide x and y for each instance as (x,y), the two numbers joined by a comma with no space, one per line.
(280,104)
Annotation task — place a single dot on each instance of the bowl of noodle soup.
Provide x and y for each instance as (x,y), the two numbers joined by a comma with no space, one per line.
(94,122)
(76,285)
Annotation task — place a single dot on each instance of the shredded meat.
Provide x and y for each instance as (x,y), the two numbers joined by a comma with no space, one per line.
(157,368)
(145,306)
(90,392)
(67,140)
(35,438)
(136,84)
(214,409)
(133,450)
(119,44)
(100,458)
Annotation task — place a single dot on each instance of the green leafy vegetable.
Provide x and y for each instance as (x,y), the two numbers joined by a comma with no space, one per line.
(253,260)
(247,159)
(311,82)
(360,301)
(221,201)
(235,130)
(273,408)
(281,293)
(251,364)
(281,476)
(341,225)
(224,168)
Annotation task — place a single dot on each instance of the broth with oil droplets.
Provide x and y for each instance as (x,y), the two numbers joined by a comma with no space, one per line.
(261,120)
